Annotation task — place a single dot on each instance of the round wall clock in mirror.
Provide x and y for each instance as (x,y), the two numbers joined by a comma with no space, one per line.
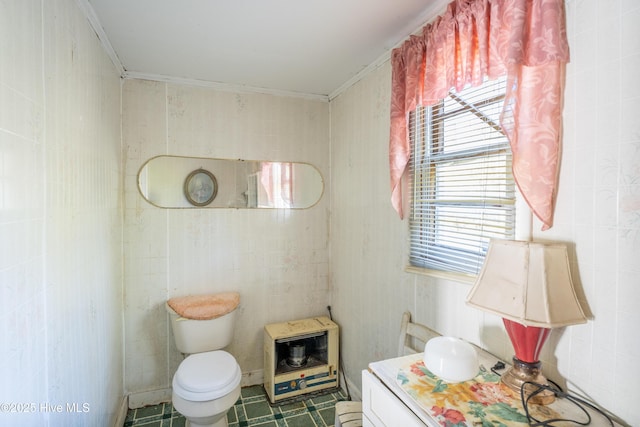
(200,187)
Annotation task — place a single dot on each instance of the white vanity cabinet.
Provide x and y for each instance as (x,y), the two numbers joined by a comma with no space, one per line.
(381,408)
(385,403)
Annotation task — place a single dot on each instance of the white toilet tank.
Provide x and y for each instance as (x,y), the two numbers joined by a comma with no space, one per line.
(203,322)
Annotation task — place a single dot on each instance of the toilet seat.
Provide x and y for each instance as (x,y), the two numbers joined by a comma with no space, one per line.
(207,376)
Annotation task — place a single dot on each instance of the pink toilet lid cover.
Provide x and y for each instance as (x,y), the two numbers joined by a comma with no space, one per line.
(205,307)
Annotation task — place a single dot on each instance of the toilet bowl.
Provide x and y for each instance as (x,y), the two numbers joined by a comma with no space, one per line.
(207,382)
(205,387)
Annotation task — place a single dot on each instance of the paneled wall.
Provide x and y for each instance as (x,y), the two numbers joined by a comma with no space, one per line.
(277,259)
(62,237)
(60,218)
(598,216)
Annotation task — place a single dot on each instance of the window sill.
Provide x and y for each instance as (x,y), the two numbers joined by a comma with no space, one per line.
(438,274)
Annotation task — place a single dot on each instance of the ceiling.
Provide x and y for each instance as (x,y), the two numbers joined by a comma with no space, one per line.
(310,47)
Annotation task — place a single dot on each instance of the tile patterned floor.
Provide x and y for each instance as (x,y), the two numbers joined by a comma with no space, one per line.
(252,409)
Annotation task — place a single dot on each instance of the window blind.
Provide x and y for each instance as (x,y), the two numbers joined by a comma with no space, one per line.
(463,193)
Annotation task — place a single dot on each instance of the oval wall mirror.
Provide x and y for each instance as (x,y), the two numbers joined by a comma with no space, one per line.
(199,182)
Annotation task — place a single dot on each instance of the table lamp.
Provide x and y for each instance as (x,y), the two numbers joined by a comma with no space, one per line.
(529,285)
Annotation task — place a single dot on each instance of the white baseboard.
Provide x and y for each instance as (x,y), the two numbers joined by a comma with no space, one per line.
(147,398)
(121,415)
(154,397)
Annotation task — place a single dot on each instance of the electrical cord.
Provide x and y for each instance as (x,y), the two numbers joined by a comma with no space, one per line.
(344,375)
(498,367)
(580,403)
(559,393)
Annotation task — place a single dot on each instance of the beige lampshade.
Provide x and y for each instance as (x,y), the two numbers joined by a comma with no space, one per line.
(529,283)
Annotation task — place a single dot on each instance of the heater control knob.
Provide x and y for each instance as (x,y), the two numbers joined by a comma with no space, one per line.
(302,384)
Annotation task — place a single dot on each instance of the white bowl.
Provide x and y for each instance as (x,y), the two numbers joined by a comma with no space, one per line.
(451,359)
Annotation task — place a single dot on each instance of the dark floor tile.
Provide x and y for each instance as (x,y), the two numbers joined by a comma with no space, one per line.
(303,420)
(149,424)
(252,410)
(252,391)
(328,415)
(257,409)
(232,417)
(293,406)
(318,400)
(149,411)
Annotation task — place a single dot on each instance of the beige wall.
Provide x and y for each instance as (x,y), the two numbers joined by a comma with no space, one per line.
(277,259)
(598,216)
(60,217)
(61,248)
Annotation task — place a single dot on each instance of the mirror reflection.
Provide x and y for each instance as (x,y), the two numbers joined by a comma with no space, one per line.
(165,181)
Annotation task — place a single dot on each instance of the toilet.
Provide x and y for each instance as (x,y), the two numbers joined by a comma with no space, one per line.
(207,382)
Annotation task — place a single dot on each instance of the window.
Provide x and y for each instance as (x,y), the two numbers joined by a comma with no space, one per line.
(463,193)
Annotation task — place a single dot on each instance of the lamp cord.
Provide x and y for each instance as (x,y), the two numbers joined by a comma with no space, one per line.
(557,390)
(559,393)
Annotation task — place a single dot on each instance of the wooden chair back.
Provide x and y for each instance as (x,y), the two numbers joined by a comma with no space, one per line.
(413,336)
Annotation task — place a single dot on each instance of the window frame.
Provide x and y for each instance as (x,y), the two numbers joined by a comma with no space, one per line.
(431,135)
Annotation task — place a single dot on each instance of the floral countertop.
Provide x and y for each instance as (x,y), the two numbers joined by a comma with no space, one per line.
(482,401)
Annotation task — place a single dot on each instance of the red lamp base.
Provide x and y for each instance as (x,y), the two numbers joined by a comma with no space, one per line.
(527,342)
(523,372)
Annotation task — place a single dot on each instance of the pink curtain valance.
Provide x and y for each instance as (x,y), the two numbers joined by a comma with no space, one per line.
(477,39)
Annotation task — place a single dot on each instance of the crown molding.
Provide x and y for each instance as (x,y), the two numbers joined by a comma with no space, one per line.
(227,87)
(435,9)
(94,21)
